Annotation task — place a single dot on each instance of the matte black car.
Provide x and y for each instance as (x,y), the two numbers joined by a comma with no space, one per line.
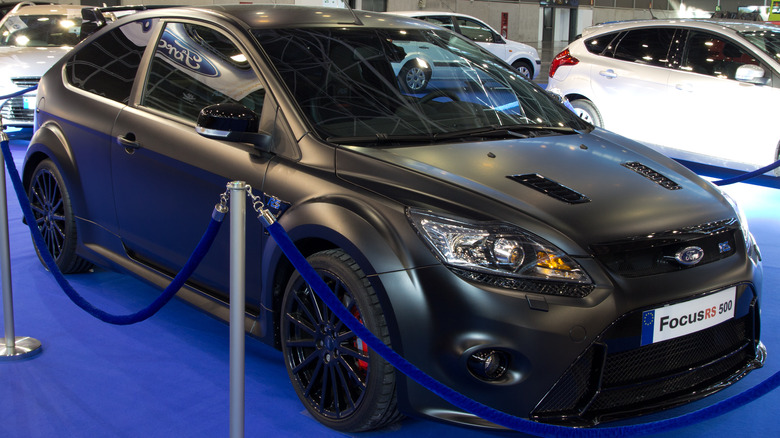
(539,265)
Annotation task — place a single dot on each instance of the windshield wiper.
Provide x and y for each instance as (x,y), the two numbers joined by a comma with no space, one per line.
(381,138)
(504,131)
(492,131)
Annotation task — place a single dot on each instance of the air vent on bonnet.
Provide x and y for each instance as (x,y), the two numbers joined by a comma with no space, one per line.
(652,175)
(550,188)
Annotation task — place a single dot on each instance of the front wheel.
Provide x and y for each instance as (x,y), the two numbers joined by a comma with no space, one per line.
(413,77)
(588,112)
(54,218)
(342,383)
(524,67)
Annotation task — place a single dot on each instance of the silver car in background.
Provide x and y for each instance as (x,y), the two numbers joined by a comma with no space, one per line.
(520,56)
(698,90)
(32,38)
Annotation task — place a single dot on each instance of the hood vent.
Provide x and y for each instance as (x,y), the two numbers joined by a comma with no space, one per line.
(652,175)
(550,188)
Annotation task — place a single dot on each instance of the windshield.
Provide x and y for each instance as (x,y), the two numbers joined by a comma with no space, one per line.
(414,85)
(40,31)
(767,40)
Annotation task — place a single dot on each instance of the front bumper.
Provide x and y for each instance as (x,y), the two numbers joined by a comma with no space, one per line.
(19,110)
(572,361)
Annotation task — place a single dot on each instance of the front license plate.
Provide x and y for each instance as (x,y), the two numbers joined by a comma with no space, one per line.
(688,317)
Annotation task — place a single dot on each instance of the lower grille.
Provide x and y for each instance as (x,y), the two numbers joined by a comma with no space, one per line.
(603,385)
(13,110)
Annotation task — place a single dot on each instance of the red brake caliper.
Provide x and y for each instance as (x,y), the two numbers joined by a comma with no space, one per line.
(359,344)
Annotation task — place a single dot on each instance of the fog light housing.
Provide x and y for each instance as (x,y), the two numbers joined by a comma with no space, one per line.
(489,365)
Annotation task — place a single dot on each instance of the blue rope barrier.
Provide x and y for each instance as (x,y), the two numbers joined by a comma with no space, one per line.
(500,418)
(143,314)
(748,175)
(19,93)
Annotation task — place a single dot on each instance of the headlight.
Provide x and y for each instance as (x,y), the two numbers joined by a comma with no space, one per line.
(741,217)
(498,249)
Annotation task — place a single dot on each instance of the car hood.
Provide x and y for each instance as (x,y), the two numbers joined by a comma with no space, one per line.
(622,202)
(28,61)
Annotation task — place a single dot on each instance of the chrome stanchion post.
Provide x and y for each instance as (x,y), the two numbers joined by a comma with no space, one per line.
(237,191)
(11,347)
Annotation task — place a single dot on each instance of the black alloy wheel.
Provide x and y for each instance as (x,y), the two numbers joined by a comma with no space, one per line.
(342,383)
(54,217)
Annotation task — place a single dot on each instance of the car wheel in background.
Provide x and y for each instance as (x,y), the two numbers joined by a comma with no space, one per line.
(413,77)
(341,382)
(524,67)
(588,112)
(777,158)
(53,213)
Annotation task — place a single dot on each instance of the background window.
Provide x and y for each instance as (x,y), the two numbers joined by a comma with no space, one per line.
(474,30)
(646,46)
(711,55)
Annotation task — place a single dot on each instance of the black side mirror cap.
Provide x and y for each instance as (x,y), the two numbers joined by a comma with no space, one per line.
(232,122)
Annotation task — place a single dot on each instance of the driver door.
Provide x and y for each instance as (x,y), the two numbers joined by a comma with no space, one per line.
(167,178)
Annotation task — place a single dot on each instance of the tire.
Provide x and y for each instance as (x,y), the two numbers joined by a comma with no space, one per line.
(52,208)
(341,383)
(414,78)
(777,158)
(588,112)
(524,67)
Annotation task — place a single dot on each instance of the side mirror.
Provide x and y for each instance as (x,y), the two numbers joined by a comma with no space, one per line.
(750,73)
(232,122)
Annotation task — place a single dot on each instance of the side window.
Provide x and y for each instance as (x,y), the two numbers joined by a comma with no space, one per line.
(712,55)
(645,46)
(196,66)
(475,30)
(107,67)
(439,20)
(602,44)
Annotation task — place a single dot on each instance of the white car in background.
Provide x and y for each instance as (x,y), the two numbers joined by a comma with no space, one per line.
(32,38)
(699,90)
(520,56)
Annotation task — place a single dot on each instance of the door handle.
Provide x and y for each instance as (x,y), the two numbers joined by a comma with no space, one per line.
(129,142)
(609,73)
(684,87)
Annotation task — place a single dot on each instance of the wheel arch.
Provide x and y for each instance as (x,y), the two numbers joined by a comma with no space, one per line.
(348,224)
(49,142)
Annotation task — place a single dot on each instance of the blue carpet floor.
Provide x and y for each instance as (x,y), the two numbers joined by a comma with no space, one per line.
(168,376)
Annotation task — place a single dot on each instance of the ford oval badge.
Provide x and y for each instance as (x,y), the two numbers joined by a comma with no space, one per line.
(689,256)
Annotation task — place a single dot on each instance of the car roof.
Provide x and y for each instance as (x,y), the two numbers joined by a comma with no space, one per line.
(430,13)
(707,24)
(286,16)
(48,9)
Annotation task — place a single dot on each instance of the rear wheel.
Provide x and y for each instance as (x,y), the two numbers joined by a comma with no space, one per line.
(588,112)
(54,217)
(342,383)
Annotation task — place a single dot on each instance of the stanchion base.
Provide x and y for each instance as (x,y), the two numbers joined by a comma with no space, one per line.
(23,348)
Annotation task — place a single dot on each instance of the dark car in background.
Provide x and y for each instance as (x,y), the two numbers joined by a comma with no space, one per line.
(506,247)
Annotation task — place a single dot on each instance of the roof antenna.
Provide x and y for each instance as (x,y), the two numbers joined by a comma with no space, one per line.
(352,11)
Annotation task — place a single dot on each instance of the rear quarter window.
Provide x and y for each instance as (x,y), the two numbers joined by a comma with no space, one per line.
(108,65)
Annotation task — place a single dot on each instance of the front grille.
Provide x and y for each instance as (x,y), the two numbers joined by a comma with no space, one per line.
(604,384)
(13,110)
(655,253)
